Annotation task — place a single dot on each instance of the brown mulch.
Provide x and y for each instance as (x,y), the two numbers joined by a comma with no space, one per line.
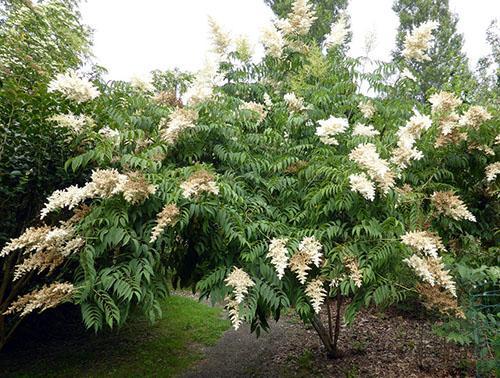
(388,344)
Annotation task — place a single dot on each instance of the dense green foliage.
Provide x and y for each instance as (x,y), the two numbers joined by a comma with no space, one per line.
(244,160)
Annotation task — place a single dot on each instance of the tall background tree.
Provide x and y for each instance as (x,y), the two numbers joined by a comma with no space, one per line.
(326,12)
(448,68)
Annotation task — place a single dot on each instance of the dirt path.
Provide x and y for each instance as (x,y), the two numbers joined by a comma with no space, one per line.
(241,354)
(377,345)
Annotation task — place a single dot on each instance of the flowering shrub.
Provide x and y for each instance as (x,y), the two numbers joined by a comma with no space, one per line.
(274,184)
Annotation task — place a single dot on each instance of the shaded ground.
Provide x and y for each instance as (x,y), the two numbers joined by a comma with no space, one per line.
(377,345)
(64,349)
(192,341)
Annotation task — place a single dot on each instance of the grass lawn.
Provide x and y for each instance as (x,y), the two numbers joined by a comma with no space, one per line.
(163,349)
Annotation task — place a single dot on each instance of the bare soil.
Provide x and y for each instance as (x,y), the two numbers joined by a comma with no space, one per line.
(388,344)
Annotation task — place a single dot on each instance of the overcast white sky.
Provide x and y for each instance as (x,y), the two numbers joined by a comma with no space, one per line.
(133,37)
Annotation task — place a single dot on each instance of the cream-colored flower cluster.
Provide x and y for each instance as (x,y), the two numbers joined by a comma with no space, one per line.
(355,272)
(431,270)
(367,157)
(309,253)
(299,20)
(444,102)
(203,84)
(330,127)
(492,171)
(179,120)
(407,74)
(199,182)
(273,41)
(136,188)
(474,117)
(220,38)
(75,123)
(254,107)
(338,33)
(240,281)
(167,217)
(233,308)
(425,242)
(45,248)
(367,109)
(417,42)
(105,183)
(364,130)
(142,83)
(73,87)
(316,292)
(294,103)
(428,265)
(362,184)
(42,299)
(407,137)
(451,205)
(109,133)
(278,253)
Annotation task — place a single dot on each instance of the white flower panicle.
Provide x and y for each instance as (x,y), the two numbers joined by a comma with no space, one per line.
(444,102)
(294,103)
(110,133)
(299,264)
(105,183)
(367,157)
(273,41)
(74,88)
(406,74)
(75,123)
(361,184)
(329,128)
(367,109)
(167,217)
(355,273)
(256,108)
(449,204)
(233,307)
(431,270)
(179,120)
(278,253)
(136,188)
(42,299)
(240,281)
(492,171)
(299,20)
(423,241)
(199,182)
(407,137)
(69,197)
(316,293)
(338,33)
(267,101)
(203,85)
(142,83)
(220,38)
(312,247)
(364,130)
(417,42)
(474,117)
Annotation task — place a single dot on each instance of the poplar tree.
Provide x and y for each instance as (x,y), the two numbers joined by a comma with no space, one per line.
(448,68)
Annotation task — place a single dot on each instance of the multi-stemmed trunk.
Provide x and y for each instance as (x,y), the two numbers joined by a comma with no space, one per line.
(329,337)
